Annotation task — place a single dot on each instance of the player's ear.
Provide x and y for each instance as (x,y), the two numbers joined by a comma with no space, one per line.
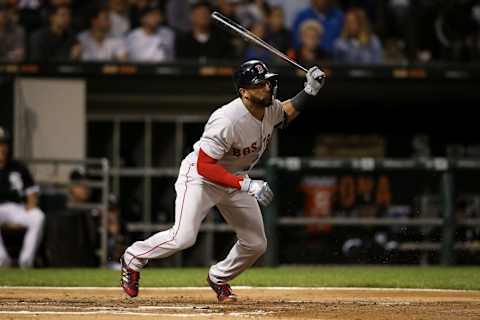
(242,92)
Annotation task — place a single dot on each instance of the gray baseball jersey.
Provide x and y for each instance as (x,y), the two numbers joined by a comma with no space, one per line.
(236,138)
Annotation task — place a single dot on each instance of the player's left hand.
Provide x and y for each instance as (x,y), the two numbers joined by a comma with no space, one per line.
(258,189)
(315,81)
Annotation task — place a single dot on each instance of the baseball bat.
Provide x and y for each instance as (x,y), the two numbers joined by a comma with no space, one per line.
(249,36)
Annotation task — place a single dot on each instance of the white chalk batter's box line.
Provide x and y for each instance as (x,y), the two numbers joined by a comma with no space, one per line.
(122,313)
(242,288)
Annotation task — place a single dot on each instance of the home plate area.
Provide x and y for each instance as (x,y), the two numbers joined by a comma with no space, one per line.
(255,303)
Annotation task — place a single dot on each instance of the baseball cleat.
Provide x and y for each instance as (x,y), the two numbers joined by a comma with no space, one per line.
(129,279)
(223,291)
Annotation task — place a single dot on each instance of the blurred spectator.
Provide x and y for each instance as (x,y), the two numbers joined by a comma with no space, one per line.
(83,218)
(79,190)
(81,12)
(331,18)
(278,35)
(136,8)
(203,42)
(31,4)
(12,38)
(30,14)
(253,51)
(399,27)
(119,16)
(310,52)
(58,3)
(150,42)
(252,12)
(55,42)
(409,29)
(371,7)
(96,44)
(229,8)
(455,28)
(357,44)
(178,15)
(18,205)
(290,8)
(81,194)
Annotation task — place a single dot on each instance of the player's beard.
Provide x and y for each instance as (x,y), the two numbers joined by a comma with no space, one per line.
(262,102)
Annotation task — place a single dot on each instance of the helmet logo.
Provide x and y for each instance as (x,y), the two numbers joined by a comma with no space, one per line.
(259,68)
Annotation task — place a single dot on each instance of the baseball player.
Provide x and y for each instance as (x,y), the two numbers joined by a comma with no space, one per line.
(216,174)
(18,205)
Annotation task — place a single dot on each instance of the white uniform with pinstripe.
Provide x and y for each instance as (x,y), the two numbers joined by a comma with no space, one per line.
(237,140)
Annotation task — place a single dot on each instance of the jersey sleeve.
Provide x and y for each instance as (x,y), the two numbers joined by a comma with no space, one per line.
(29,185)
(217,137)
(279,116)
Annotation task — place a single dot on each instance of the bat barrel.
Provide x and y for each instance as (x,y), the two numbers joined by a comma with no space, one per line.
(245,33)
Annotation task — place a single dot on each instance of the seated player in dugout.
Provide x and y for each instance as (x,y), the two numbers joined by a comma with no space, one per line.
(18,205)
(215,173)
(80,193)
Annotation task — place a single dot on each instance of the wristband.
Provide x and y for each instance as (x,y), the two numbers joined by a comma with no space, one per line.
(301,100)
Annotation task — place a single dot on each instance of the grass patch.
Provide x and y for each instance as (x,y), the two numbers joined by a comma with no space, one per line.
(393,277)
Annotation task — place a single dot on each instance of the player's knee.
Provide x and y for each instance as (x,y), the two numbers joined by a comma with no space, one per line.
(258,247)
(262,247)
(40,216)
(37,217)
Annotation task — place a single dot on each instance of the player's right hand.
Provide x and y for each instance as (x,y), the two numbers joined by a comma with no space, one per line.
(315,81)
(258,189)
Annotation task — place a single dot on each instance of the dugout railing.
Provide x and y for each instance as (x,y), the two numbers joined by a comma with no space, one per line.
(445,170)
(52,175)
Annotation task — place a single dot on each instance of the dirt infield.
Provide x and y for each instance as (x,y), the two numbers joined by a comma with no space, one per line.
(255,303)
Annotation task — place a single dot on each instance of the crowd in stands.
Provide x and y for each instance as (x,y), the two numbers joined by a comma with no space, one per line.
(311,31)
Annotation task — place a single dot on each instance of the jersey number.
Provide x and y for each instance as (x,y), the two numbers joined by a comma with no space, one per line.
(16,182)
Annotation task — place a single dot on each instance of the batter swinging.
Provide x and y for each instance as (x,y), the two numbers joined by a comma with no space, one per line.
(216,174)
